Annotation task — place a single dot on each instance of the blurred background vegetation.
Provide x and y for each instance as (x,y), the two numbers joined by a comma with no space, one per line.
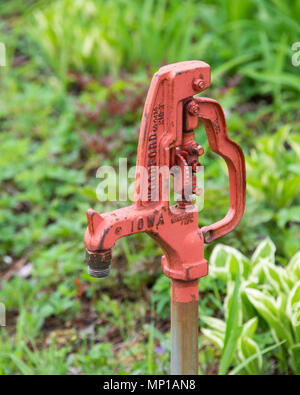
(71,99)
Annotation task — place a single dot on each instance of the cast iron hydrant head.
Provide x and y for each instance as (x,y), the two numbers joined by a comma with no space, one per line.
(167,139)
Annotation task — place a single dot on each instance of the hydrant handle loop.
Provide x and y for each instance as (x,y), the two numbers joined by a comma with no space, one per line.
(213,118)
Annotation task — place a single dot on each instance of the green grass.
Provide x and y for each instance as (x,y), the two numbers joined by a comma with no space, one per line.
(69,63)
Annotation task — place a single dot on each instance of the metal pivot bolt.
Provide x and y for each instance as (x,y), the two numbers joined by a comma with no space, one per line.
(193,108)
(199,84)
(196,149)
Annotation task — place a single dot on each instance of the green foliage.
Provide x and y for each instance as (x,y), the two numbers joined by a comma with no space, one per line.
(268,290)
(273,181)
(115,35)
(233,330)
(71,100)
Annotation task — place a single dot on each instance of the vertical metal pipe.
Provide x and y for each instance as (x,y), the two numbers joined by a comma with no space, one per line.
(184,327)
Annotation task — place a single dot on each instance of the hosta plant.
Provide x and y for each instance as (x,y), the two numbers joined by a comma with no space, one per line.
(268,300)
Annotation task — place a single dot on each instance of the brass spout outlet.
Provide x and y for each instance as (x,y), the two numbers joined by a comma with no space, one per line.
(99,263)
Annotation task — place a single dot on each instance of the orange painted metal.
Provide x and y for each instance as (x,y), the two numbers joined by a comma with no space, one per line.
(171,114)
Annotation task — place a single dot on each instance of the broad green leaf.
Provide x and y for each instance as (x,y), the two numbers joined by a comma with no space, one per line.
(268,309)
(275,275)
(288,214)
(214,336)
(245,363)
(293,309)
(257,274)
(294,351)
(282,302)
(249,327)
(226,261)
(235,266)
(215,324)
(218,260)
(248,310)
(246,348)
(293,267)
(266,249)
(233,304)
(258,298)
(233,330)
(228,302)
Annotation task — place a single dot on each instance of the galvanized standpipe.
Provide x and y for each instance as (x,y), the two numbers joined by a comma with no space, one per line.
(184,327)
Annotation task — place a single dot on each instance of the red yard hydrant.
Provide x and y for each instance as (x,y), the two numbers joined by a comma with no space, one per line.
(167,139)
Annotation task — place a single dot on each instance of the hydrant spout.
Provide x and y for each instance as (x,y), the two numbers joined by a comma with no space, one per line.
(104,230)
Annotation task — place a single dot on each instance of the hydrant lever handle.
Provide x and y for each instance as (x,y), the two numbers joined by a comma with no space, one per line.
(213,118)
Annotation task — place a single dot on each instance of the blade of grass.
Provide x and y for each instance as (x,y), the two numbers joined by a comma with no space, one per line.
(218,71)
(233,330)
(150,362)
(286,79)
(228,350)
(254,356)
